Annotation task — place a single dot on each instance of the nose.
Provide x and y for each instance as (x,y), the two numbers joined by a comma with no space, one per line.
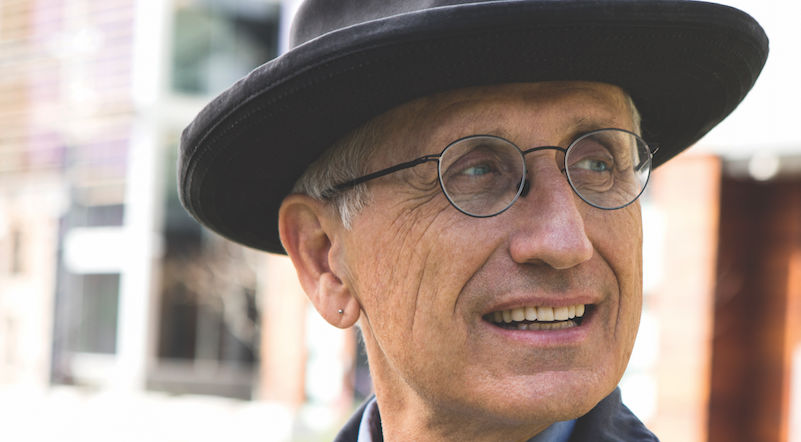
(550,227)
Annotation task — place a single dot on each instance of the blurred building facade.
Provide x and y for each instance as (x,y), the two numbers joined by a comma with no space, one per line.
(107,285)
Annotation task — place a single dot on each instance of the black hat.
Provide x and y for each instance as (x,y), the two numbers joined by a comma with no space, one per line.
(686,65)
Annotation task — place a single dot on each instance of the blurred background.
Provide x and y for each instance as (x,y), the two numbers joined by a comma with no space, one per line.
(122,319)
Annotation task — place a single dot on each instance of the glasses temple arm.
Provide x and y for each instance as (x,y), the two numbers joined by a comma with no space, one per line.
(356,181)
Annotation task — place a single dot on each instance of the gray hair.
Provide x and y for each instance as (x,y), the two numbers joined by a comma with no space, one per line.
(347,159)
(636,118)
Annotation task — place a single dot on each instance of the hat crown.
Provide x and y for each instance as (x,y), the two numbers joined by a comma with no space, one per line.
(317,17)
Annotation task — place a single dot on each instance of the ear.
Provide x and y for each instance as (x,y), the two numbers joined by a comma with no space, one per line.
(307,228)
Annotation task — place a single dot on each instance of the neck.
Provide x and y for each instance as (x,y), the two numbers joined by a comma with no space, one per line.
(408,417)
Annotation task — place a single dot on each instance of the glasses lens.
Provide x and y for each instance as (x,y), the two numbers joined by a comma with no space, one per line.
(481,175)
(608,168)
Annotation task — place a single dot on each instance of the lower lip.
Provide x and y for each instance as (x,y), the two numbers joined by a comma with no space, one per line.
(548,338)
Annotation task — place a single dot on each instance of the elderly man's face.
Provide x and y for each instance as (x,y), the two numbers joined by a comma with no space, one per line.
(429,279)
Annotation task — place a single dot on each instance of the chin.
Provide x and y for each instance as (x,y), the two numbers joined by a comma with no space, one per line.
(551,398)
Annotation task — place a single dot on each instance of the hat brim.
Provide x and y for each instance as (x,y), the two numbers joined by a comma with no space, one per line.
(686,65)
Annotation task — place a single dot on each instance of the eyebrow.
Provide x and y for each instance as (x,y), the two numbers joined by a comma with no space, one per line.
(584,124)
(573,126)
(572,129)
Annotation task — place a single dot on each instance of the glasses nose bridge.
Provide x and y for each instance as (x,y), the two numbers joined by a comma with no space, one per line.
(558,149)
(560,162)
(527,170)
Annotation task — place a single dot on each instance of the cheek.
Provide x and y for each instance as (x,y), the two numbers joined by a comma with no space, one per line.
(410,272)
(389,257)
(630,275)
(617,237)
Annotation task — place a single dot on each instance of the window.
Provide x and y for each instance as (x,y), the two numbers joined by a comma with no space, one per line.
(94,301)
(208,312)
(215,43)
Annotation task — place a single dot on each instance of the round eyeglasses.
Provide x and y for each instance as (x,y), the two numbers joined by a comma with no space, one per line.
(483,175)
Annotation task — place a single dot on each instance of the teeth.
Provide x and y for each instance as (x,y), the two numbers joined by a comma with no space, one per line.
(547,325)
(545,313)
(548,318)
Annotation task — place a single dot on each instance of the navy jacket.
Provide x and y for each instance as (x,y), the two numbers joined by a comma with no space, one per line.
(609,421)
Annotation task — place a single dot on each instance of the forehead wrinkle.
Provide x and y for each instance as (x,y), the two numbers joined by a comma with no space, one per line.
(443,118)
(470,116)
(420,123)
(609,108)
(396,135)
(490,112)
(584,124)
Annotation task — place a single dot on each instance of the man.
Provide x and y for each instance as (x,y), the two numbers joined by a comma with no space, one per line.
(461,180)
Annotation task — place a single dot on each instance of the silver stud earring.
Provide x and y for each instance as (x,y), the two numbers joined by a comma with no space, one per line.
(340,311)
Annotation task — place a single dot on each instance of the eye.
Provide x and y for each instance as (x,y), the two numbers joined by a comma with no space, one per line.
(477,162)
(478,170)
(481,175)
(593,154)
(594,165)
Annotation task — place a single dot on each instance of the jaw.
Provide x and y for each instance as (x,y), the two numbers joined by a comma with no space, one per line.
(516,388)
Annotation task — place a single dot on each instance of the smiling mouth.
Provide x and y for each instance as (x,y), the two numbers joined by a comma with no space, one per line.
(539,317)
